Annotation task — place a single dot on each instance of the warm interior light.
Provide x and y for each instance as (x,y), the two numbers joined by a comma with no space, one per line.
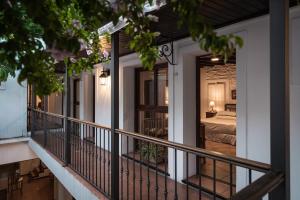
(166,95)
(212,105)
(103,77)
(215,59)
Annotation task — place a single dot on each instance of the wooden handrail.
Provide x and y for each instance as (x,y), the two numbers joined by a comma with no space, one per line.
(241,162)
(259,188)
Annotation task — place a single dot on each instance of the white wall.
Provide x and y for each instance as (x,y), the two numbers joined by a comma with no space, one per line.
(294,105)
(86,96)
(13,109)
(253,94)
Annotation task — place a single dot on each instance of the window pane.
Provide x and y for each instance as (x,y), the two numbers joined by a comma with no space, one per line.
(162,87)
(146,88)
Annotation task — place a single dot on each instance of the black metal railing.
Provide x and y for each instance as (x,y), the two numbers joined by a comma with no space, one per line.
(149,167)
(259,188)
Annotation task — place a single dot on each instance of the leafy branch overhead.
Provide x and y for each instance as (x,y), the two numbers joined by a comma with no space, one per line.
(35,35)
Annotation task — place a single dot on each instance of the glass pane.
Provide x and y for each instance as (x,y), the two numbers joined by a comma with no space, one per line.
(162,87)
(154,124)
(146,88)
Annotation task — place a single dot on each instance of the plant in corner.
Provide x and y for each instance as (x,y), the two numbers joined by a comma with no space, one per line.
(152,152)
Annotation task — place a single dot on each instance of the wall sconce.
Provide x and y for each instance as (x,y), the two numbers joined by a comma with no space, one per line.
(215,59)
(103,76)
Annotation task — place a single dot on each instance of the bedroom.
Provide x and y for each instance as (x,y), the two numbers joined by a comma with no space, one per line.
(216,118)
(217,100)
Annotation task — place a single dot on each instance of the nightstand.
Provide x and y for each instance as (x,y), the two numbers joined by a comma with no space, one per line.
(210,114)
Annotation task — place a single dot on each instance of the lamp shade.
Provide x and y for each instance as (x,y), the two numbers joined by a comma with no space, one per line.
(211,104)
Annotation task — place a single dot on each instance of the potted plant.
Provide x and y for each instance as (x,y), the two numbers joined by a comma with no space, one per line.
(154,153)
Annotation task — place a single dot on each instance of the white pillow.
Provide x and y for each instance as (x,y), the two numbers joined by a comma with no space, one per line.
(226,113)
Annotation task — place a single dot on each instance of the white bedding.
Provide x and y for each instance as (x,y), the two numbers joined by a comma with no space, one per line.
(224,120)
(220,129)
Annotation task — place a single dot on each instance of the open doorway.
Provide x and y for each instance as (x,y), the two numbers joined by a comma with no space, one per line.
(76,98)
(216,99)
(216,122)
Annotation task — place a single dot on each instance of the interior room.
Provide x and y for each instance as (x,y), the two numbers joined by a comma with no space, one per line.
(216,122)
(217,99)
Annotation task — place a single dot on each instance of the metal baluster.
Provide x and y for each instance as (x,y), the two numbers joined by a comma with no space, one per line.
(71,143)
(56,142)
(200,180)
(104,159)
(109,159)
(230,179)
(214,178)
(83,150)
(176,194)
(148,171)
(86,152)
(80,149)
(96,158)
(156,174)
(77,139)
(187,175)
(122,169)
(90,152)
(166,183)
(127,166)
(141,173)
(100,159)
(133,175)
(250,176)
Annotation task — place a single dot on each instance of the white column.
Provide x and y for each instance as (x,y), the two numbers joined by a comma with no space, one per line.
(182,111)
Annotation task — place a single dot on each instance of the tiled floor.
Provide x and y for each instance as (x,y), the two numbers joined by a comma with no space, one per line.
(223,175)
(138,181)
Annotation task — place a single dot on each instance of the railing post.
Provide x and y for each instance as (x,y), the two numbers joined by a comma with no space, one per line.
(45,121)
(33,102)
(67,143)
(114,116)
(279,77)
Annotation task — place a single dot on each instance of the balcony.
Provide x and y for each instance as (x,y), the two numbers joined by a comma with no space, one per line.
(86,148)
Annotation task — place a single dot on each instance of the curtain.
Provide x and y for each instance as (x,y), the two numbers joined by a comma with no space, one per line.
(216,93)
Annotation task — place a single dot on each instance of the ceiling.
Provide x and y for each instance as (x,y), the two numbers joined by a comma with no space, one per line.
(219,13)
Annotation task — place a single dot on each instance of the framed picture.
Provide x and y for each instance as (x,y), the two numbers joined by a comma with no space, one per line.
(2,85)
(233,94)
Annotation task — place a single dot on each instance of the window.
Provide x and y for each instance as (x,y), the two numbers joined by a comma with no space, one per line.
(216,93)
(152,101)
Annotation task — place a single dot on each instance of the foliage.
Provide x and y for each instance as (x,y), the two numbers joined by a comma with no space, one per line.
(152,152)
(33,32)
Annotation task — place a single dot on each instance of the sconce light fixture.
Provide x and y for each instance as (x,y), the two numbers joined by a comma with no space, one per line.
(215,59)
(103,76)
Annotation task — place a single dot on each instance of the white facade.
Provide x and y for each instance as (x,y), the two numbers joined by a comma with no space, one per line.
(13,109)
(253,96)
(253,90)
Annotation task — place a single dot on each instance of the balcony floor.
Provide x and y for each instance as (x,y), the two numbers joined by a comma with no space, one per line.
(138,181)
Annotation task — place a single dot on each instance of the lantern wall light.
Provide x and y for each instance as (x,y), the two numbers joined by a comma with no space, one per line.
(104,76)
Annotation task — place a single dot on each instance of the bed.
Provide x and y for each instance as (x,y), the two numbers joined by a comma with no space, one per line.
(222,127)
